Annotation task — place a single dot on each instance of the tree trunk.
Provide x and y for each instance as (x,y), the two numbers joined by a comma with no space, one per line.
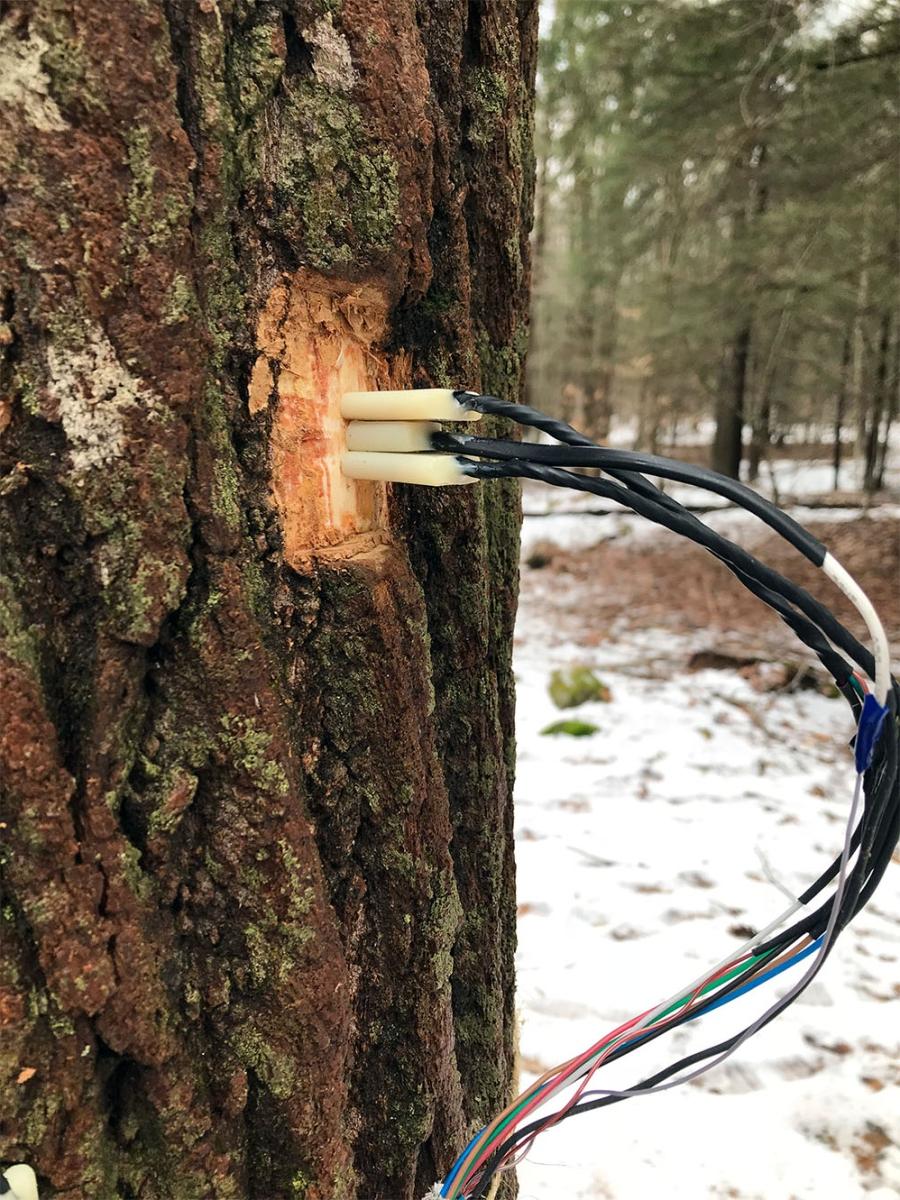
(584,320)
(256,727)
(731,400)
(840,409)
(598,409)
(858,342)
(727,449)
(893,405)
(762,428)
(873,443)
(533,394)
(650,417)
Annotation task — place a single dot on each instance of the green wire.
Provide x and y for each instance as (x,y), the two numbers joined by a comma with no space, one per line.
(720,979)
(717,982)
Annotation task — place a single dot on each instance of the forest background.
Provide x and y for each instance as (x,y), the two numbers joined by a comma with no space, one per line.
(717,220)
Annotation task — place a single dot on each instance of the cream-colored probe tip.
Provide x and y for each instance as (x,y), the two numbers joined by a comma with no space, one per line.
(430,470)
(415,404)
(394,437)
(21,1182)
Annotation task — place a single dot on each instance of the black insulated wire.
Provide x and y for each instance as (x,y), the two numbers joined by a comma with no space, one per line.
(664,468)
(687,525)
(839,670)
(524,415)
(510,1145)
(876,835)
(773,516)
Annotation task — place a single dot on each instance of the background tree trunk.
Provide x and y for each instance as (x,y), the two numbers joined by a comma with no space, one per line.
(876,439)
(728,443)
(840,412)
(858,342)
(533,392)
(893,406)
(256,729)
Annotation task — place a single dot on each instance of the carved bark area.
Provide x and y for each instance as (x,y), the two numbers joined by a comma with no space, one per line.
(255,726)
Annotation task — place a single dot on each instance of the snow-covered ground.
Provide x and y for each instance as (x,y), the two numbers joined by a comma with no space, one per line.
(639,864)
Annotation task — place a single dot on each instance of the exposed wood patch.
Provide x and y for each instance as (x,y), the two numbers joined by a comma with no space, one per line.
(319,338)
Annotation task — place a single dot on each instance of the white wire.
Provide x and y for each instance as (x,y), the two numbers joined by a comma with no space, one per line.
(791,994)
(682,992)
(687,991)
(827,939)
(841,576)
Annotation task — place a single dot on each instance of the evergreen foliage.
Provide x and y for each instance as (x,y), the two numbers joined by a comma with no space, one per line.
(718,216)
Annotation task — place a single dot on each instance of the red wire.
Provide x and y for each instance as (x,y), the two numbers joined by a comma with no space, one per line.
(556,1117)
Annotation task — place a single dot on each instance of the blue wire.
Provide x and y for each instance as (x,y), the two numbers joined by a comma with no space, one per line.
(748,987)
(741,991)
(448,1182)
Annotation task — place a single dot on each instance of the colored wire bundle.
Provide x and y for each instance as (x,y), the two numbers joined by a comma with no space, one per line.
(809,927)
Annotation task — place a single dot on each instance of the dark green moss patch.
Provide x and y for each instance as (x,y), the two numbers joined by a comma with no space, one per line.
(571,728)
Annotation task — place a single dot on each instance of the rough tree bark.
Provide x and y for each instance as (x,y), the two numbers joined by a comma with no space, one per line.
(534,395)
(256,725)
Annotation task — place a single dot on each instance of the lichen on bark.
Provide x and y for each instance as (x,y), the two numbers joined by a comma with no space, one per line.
(332,187)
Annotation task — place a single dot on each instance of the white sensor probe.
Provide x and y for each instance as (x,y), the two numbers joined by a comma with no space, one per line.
(396,437)
(432,470)
(416,404)
(19,1183)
